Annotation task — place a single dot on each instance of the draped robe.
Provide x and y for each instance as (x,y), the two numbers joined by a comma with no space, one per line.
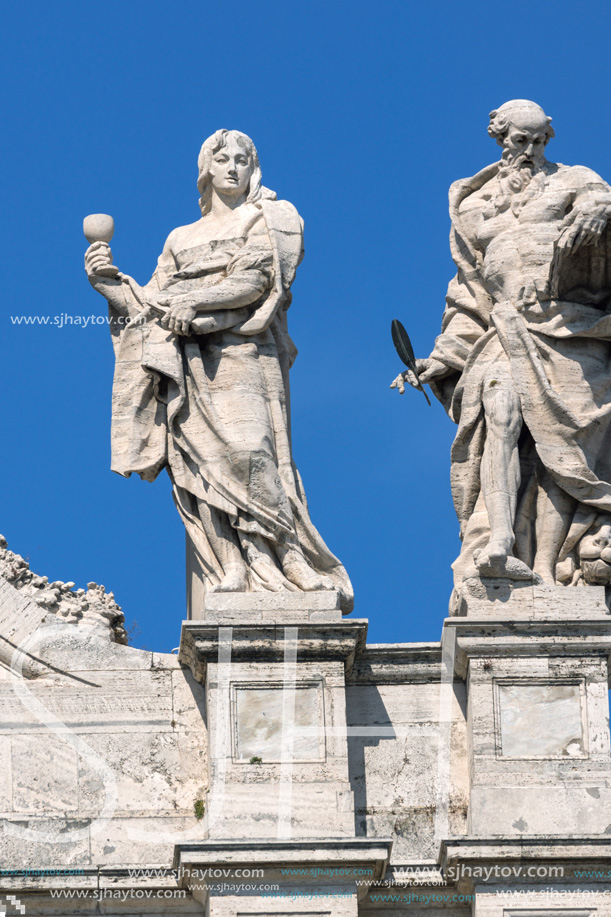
(557,345)
(213,407)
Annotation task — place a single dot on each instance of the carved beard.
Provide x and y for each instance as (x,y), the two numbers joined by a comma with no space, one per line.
(516,179)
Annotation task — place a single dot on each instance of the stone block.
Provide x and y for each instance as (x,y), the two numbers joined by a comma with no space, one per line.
(394,744)
(561,810)
(135,841)
(124,700)
(6,775)
(30,848)
(156,774)
(312,808)
(189,701)
(500,599)
(226,608)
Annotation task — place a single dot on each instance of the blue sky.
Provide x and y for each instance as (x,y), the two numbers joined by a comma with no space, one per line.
(362,114)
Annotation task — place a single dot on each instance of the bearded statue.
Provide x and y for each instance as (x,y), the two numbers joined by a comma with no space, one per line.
(522,361)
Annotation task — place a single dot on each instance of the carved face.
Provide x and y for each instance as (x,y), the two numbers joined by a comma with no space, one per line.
(524,141)
(231,169)
(595,555)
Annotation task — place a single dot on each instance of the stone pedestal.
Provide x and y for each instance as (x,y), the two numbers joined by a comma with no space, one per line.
(274,668)
(536,664)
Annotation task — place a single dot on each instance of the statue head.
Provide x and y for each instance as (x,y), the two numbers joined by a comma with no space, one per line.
(595,552)
(228,163)
(523,130)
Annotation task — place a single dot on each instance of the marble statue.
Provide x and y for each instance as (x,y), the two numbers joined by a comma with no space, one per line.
(201,383)
(523,362)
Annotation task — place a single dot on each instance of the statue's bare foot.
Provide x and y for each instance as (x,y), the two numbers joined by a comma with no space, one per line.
(494,562)
(263,564)
(546,575)
(272,578)
(298,572)
(496,550)
(234,580)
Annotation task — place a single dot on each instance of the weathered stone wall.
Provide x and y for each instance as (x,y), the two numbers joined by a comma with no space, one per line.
(139,713)
(394,705)
(103,747)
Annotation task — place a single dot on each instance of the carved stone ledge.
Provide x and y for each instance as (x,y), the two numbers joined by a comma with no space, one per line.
(344,859)
(506,638)
(200,643)
(574,854)
(397,663)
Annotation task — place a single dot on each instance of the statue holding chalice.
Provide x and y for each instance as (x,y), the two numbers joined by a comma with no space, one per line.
(201,383)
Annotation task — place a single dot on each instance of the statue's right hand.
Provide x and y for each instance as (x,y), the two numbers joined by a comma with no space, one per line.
(98,263)
(427,369)
(401,379)
(430,369)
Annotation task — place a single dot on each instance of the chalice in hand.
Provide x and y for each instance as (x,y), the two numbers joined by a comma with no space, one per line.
(100,227)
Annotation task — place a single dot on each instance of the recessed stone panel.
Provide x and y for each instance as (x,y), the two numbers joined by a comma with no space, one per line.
(259,711)
(541,720)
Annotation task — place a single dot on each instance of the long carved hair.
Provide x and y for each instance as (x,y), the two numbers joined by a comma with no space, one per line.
(211,146)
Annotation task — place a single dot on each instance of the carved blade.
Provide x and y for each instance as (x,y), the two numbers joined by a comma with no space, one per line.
(403,346)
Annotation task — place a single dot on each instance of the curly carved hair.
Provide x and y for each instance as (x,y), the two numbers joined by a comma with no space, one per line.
(211,146)
(501,118)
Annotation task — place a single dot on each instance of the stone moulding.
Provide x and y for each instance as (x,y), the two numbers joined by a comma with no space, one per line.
(397,663)
(87,878)
(351,855)
(199,643)
(579,637)
(575,854)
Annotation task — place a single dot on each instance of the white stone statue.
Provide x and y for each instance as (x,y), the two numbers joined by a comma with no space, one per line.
(523,362)
(201,382)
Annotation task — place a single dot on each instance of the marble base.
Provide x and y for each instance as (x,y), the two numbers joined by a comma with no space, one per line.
(508,599)
(226,608)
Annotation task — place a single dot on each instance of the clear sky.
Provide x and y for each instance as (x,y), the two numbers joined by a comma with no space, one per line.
(363,114)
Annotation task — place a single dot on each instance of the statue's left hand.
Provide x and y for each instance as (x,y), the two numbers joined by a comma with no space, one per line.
(586,228)
(178,318)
